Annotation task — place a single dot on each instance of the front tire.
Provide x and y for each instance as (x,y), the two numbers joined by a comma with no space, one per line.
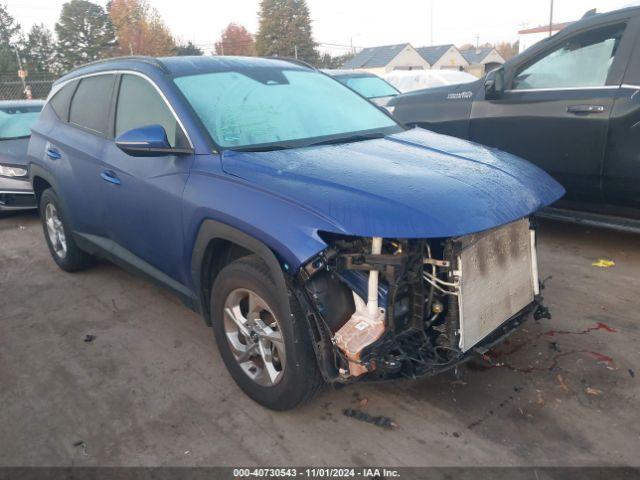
(58,235)
(266,349)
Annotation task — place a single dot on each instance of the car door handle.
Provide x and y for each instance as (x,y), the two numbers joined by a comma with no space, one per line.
(585,109)
(53,154)
(110,176)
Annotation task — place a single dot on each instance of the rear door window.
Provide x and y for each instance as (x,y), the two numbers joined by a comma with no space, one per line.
(140,105)
(90,104)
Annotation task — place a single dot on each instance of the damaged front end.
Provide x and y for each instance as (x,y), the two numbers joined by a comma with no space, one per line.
(385,308)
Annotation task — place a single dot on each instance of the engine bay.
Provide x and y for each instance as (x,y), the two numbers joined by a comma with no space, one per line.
(386,308)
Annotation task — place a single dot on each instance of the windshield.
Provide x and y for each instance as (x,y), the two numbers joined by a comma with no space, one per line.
(370,87)
(279,107)
(16,122)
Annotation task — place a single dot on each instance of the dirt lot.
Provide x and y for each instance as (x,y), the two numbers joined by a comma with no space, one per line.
(151,388)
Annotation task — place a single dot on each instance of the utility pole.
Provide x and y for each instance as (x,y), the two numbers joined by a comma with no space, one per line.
(295,50)
(24,83)
(477,41)
(551,19)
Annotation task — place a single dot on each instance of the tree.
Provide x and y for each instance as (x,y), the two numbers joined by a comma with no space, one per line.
(235,40)
(285,30)
(9,41)
(38,50)
(508,50)
(140,29)
(85,33)
(470,46)
(188,49)
(326,60)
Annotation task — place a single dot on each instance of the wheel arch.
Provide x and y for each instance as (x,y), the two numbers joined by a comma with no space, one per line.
(217,245)
(40,181)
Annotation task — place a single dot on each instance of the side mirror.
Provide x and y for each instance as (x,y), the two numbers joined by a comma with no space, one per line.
(149,141)
(494,84)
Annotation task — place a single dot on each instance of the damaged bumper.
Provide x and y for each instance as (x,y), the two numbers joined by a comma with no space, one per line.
(385,308)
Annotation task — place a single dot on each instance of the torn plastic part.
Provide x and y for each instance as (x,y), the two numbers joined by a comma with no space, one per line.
(372,295)
(366,325)
(359,332)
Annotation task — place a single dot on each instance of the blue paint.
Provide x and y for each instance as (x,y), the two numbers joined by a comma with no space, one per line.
(413,184)
(135,141)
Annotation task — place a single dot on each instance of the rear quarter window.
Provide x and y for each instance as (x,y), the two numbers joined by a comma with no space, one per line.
(62,99)
(90,104)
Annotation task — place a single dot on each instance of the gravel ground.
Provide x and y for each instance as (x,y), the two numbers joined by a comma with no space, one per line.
(151,389)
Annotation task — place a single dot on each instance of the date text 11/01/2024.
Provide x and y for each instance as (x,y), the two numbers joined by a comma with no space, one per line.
(326,472)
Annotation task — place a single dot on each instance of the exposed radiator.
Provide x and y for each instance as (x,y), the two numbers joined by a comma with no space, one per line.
(498,278)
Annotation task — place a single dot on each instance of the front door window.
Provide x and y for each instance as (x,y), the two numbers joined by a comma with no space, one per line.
(581,61)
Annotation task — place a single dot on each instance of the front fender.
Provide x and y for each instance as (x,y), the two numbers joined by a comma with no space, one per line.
(285,228)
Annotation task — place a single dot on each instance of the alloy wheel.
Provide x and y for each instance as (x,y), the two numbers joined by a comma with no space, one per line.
(55,231)
(255,337)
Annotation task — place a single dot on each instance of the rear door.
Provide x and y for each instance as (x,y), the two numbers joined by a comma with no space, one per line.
(144,194)
(555,111)
(75,147)
(622,158)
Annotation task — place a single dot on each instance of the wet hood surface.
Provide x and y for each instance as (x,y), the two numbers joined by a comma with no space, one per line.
(14,151)
(414,184)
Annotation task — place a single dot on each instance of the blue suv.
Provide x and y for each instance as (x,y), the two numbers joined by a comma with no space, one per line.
(322,241)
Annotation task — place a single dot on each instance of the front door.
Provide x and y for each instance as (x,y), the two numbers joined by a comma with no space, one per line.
(555,111)
(622,161)
(144,194)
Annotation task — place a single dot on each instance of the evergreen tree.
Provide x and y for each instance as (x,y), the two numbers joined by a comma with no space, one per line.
(188,49)
(285,30)
(85,33)
(9,41)
(38,50)
(326,60)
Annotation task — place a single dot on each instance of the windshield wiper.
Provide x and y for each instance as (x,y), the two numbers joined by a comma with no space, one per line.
(2,139)
(264,148)
(361,137)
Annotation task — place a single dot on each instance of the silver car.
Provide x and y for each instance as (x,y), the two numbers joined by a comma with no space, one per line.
(16,118)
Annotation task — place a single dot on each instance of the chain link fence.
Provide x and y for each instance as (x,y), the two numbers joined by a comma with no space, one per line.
(12,87)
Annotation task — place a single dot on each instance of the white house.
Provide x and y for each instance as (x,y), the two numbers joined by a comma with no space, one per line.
(482,60)
(380,60)
(444,57)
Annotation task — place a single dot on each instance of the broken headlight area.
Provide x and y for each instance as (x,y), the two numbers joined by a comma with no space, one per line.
(385,308)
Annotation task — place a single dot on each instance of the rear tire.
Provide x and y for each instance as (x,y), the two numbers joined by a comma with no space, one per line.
(59,237)
(246,314)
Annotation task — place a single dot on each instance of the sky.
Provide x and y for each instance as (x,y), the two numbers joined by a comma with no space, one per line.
(363,23)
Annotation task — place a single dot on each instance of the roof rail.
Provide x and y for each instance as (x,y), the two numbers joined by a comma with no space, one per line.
(141,58)
(295,61)
(590,13)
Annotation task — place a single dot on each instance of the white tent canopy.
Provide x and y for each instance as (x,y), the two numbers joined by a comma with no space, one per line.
(408,81)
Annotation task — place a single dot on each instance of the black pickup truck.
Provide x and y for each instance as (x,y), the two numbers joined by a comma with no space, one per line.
(570,104)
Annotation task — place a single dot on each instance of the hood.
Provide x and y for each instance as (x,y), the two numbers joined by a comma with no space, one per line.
(14,151)
(414,184)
